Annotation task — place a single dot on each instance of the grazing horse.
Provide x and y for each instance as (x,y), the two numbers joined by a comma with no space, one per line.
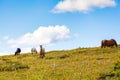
(33,50)
(108,43)
(17,52)
(42,51)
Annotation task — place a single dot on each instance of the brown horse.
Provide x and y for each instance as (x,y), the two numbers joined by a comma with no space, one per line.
(108,43)
(42,51)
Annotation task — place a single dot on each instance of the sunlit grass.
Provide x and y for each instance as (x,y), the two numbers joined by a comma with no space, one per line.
(76,64)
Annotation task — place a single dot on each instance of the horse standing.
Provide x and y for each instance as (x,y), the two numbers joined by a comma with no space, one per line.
(42,51)
(108,43)
(33,50)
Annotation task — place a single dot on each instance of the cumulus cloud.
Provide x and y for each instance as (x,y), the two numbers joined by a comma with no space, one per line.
(43,35)
(82,5)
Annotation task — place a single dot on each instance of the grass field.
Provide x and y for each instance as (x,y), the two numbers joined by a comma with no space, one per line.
(76,64)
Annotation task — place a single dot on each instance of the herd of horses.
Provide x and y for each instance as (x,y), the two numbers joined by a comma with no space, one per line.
(104,43)
(33,51)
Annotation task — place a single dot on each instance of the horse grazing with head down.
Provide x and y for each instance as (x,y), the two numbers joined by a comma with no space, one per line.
(17,52)
(33,50)
(108,43)
(42,51)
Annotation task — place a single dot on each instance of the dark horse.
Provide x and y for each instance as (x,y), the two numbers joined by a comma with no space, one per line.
(17,52)
(108,43)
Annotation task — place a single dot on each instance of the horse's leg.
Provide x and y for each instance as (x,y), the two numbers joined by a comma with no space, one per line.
(15,53)
(101,46)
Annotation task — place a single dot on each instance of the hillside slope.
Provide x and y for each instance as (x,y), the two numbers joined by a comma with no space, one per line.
(76,64)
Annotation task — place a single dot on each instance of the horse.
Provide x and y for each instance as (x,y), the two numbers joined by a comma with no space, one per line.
(33,50)
(17,52)
(108,43)
(42,51)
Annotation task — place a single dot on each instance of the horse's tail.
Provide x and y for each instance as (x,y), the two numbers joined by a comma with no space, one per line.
(102,44)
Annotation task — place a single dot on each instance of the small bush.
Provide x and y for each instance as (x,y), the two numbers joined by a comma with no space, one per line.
(106,76)
(4,59)
(117,66)
(63,56)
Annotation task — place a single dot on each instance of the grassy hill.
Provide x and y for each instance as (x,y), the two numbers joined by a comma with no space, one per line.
(76,64)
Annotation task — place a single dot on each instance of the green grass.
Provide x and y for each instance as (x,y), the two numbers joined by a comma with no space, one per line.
(76,64)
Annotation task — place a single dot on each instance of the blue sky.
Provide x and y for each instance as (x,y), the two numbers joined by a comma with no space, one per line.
(57,24)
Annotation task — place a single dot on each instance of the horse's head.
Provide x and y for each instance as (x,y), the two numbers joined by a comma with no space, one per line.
(40,46)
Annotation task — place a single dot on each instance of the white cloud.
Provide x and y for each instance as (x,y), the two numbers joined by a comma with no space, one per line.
(2,54)
(6,37)
(82,5)
(43,35)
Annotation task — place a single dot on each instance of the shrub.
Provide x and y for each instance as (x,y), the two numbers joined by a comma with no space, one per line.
(63,56)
